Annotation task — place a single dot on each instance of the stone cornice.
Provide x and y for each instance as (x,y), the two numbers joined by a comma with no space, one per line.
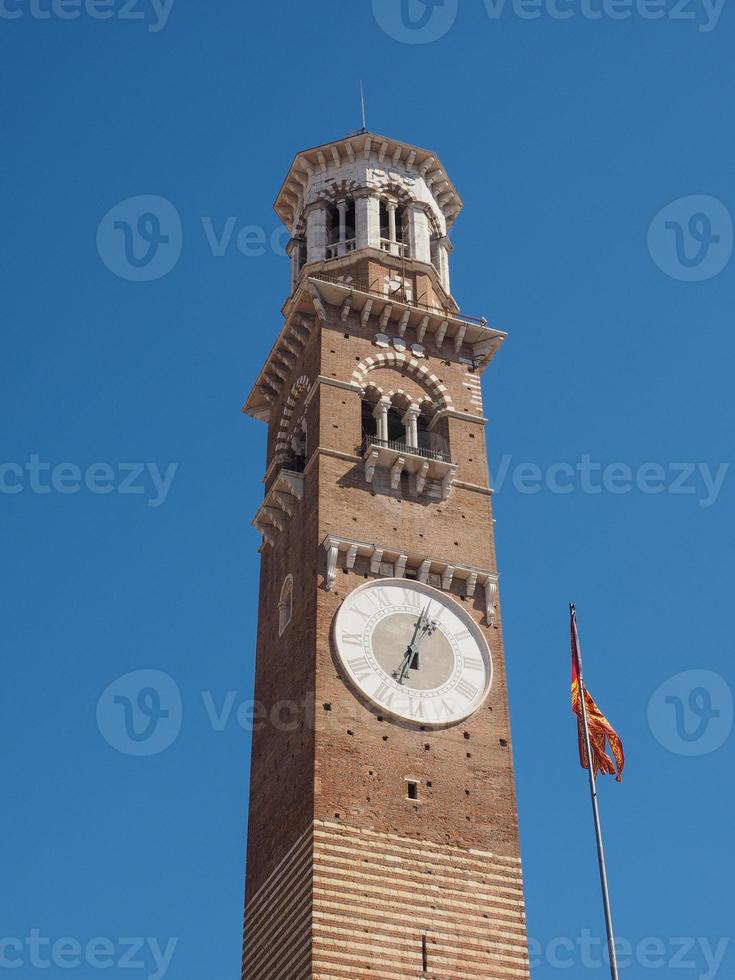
(418,562)
(383,151)
(334,383)
(279,505)
(474,487)
(346,262)
(288,348)
(396,316)
(310,302)
(454,413)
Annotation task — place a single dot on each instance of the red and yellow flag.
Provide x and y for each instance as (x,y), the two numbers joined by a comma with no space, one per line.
(599,727)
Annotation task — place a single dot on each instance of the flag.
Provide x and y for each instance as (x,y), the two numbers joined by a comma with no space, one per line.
(600,729)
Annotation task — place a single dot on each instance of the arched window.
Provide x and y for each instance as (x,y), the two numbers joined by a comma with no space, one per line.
(396,428)
(434,439)
(393,228)
(332,224)
(435,260)
(435,237)
(298,444)
(340,228)
(422,428)
(285,605)
(299,253)
(369,422)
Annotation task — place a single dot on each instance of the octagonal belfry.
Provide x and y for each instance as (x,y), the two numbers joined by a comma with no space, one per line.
(371,194)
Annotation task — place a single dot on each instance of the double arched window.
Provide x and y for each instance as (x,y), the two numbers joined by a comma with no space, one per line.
(398,421)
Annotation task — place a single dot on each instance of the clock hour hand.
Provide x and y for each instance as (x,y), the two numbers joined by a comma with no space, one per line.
(424,627)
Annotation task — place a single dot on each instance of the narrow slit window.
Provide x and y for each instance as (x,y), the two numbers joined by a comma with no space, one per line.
(412,789)
(285,605)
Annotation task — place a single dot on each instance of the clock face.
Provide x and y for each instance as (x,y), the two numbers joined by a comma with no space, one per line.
(413,651)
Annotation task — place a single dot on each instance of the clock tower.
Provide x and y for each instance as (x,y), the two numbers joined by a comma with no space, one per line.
(383,833)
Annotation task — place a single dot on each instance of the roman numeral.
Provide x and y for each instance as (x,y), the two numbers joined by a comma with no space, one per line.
(474,663)
(462,635)
(354,638)
(360,667)
(411,598)
(362,613)
(467,690)
(447,709)
(385,694)
(416,708)
(379,597)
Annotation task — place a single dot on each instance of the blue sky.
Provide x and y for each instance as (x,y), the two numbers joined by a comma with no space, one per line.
(594,155)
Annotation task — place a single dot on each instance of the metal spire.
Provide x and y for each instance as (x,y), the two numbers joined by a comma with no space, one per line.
(362,105)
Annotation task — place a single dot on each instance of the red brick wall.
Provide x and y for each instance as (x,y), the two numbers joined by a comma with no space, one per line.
(345,767)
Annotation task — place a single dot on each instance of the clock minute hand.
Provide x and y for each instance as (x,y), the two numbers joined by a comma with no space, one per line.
(420,627)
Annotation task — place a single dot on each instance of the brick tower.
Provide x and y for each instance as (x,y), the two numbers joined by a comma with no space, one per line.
(383,835)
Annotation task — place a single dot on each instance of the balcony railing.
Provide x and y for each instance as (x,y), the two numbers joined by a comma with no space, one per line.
(337,249)
(403,447)
(363,286)
(395,248)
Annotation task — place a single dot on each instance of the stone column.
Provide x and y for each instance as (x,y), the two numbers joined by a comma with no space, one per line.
(381,416)
(392,207)
(410,420)
(342,208)
(316,234)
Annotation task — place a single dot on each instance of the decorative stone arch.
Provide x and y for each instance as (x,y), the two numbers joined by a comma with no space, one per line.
(325,194)
(404,362)
(401,397)
(298,389)
(387,188)
(285,604)
(334,192)
(372,392)
(435,229)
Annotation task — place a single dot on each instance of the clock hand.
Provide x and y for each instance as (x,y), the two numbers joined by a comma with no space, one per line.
(424,627)
(419,625)
(411,652)
(428,626)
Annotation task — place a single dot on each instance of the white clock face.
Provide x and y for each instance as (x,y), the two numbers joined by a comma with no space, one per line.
(413,651)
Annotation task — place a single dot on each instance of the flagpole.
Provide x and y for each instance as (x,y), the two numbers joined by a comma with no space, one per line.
(595,806)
